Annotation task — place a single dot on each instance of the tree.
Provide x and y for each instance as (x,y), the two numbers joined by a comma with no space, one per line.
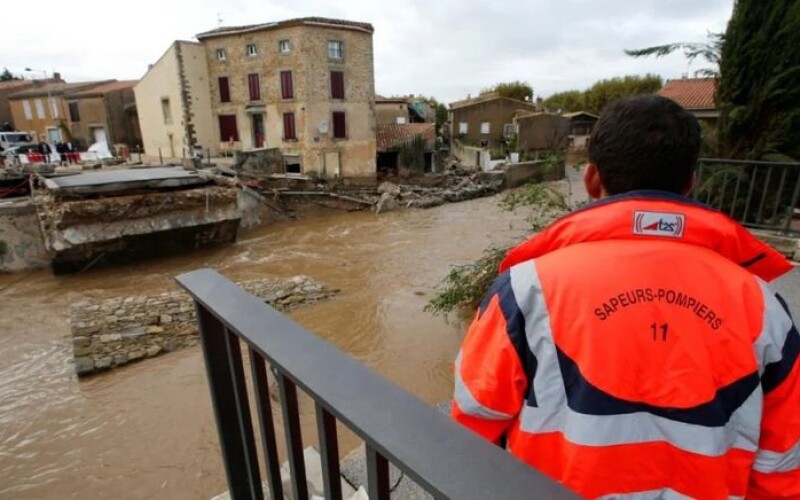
(595,98)
(711,52)
(514,90)
(6,75)
(759,89)
(571,100)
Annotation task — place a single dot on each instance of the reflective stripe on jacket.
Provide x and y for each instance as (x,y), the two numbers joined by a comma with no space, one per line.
(633,350)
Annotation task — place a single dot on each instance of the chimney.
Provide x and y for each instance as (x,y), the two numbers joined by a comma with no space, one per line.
(56,75)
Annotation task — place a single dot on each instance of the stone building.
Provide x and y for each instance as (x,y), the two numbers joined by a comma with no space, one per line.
(174,104)
(105,113)
(391,110)
(304,86)
(13,86)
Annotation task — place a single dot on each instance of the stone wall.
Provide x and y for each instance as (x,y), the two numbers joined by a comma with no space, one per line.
(21,244)
(114,332)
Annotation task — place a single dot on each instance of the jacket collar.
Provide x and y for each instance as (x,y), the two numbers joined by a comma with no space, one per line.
(615,218)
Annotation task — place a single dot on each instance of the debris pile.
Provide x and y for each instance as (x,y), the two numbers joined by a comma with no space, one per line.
(456,187)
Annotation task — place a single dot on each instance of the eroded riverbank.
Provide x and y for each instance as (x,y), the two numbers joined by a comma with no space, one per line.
(147,430)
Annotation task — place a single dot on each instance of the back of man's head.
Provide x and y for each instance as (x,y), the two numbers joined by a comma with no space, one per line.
(645,142)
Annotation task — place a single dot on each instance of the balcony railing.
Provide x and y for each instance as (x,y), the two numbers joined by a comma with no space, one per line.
(448,461)
(759,194)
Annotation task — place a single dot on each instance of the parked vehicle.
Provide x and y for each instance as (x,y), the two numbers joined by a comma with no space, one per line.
(11,139)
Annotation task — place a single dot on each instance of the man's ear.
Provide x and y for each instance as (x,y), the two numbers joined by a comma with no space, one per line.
(591,179)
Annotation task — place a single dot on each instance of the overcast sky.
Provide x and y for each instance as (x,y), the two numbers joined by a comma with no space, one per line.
(444,48)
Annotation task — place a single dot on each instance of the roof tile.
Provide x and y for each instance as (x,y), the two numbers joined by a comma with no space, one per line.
(393,135)
(691,93)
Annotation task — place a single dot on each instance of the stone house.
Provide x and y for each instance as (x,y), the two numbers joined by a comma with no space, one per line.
(44,109)
(173,103)
(487,120)
(393,137)
(581,125)
(105,113)
(305,86)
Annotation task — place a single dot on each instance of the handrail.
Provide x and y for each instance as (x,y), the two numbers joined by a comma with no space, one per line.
(723,161)
(446,459)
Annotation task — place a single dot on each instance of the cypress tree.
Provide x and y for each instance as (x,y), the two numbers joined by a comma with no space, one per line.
(759,88)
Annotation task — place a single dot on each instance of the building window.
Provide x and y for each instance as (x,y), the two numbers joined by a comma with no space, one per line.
(39,109)
(289,131)
(484,127)
(252,50)
(339,125)
(287,88)
(255,89)
(224,89)
(222,55)
(228,131)
(463,128)
(336,50)
(337,84)
(284,46)
(26,108)
(401,120)
(509,129)
(74,114)
(54,107)
(166,111)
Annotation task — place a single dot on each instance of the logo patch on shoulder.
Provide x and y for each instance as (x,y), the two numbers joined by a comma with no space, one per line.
(659,224)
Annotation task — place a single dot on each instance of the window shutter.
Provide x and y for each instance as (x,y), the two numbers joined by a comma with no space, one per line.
(337,85)
(287,90)
(228,129)
(255,90)
(224,89)
(289,132)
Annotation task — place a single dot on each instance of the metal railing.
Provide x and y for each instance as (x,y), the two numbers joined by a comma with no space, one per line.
(445,459)
(759,194)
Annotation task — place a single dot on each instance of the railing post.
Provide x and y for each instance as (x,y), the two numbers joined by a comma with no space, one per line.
(261,387)
(294,438)
(232,414)
(329,452)
(377,475)
(790,212)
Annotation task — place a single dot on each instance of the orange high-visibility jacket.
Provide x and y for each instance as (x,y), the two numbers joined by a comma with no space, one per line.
(633,349)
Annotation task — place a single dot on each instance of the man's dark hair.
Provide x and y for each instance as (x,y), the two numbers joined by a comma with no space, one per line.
(645,142)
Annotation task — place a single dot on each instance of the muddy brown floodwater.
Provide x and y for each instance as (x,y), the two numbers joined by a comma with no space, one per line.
(147,430)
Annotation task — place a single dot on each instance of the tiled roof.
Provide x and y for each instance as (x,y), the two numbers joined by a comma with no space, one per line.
(229,30)
(381,98)
(393,135)
(12,84)
(580,113)
(105,88)
(491,97)
(691,93)
(58,88)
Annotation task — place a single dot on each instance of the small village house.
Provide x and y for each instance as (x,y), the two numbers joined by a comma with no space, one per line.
(173,103)
(104,113)
(487,120)
(406,145)
(44,109)
(391,110)
(581,125)
(696,95)
(10,87)
(304,86)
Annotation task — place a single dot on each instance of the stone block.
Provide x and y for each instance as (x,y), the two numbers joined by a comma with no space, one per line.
(136,354)
(165,319)
(102,363)
(120,359)
(110,337)
(84,365)
(154,330)
(133,333)
(153,350)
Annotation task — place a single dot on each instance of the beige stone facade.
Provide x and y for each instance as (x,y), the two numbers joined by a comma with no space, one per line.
(260,106)
(391,110)
(105,113)
(174,106)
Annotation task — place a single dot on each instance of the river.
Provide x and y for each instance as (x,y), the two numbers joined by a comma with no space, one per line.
(147,430)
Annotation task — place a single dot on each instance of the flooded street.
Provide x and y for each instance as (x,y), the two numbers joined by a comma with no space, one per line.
(147,430)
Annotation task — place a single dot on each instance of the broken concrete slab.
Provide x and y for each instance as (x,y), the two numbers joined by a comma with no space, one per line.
(110,181)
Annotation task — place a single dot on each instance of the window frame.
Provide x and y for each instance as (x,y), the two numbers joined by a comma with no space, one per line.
(463,127)
(289,125)
(340,50)
(334,134)
(41,111)
(27,110)
(233,117)
(509,126)
(248,52)
(486,126)
(222,55)
(288,43)
(254,87)
(166,111)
